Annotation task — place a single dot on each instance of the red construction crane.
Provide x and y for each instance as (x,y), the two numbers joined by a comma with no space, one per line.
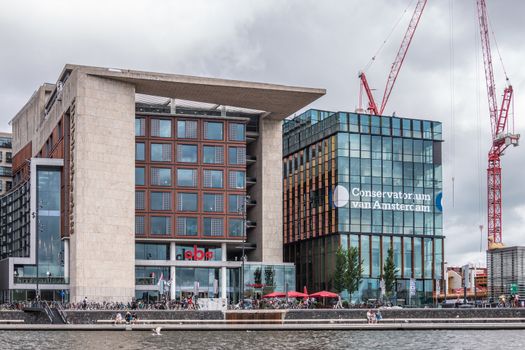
(396,66)
(502,137)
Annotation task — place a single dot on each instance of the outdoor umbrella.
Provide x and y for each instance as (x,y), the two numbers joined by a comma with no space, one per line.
(294,294)
(324,294)
(275,295)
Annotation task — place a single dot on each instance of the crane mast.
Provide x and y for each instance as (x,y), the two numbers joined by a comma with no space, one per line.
(501,136)
(396,66)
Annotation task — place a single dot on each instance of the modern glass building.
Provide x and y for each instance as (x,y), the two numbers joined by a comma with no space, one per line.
(370,182)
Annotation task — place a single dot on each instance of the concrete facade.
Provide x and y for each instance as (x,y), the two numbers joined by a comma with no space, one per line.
(269,193)
(103,244)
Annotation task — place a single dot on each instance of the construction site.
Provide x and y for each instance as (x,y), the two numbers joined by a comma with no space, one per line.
(502,281)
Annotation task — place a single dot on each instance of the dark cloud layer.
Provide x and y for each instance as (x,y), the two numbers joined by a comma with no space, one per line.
(301,42)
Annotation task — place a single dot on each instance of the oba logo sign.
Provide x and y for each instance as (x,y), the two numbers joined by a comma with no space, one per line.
(197,254)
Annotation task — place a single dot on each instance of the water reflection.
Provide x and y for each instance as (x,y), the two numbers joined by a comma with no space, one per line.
(264,340)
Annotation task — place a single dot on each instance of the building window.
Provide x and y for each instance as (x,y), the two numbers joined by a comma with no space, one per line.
(1,153)
(160,225)
(213,202)
(8,185)
(152,251)
(186,226)
(187,201)
(213,227)
(160,127)
(213,131)
(235,227)
(139,176)
(140,127)
(213,179)
(235,202)
(1,185)
(187,129)
(139,200)
(139,151)
(161,177)
(160,201)
(160,152)
(213,154)
(237,179)
(187,177)
(237,155)
(187,153)
(139,225)
(237,132)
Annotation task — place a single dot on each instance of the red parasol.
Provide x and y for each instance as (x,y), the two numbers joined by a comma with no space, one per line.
(275,295)
(324,294)
(294,294)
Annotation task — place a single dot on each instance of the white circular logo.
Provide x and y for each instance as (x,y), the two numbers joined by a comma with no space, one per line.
(341,196)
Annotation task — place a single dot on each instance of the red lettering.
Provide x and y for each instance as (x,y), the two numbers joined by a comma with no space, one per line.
(198,254)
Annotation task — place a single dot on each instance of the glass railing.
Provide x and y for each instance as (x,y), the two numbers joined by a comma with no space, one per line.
(41,280)
(145,281)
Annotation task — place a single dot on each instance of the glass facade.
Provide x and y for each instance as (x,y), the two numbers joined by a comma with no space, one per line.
(370,181)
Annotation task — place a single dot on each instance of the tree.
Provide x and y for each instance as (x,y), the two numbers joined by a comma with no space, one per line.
(257,276)
(389,273)
(354,271)
(341,264)
(268,276)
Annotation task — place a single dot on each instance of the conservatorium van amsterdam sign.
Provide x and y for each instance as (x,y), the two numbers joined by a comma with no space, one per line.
(341,198)
(376,203)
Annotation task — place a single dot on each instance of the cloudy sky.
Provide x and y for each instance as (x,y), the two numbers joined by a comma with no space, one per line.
(302,42)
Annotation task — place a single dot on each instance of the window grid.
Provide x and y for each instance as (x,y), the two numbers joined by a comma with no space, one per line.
(165,200)
(237,155)
(183,226)
(139,225)
(187,129)
(237,132)
(165,152)
(139,200)
(213,226)
(214,202)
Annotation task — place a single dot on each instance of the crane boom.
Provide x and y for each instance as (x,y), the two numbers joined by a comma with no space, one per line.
(396,66)
(500,138)
(403,49)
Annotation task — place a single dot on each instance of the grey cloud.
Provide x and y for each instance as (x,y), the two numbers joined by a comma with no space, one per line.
(300,42)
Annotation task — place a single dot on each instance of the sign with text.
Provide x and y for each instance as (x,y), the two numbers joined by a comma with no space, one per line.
(378,197)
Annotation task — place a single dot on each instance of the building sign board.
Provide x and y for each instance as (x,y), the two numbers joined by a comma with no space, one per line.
(424,199)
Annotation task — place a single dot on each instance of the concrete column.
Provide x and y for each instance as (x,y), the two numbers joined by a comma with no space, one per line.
(66,258)
(172,270)
(224,272)
(268,194)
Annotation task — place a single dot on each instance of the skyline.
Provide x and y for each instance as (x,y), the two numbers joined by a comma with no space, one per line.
(302,43)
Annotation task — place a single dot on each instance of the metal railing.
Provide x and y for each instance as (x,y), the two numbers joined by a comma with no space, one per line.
(41,280)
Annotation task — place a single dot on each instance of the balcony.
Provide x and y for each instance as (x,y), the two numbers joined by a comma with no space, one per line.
(41,280)
(145,281)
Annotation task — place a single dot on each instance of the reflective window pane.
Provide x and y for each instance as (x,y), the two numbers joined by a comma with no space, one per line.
(213,202)
(160,225)
(139,176)
(161,176)
(161,127)
(187,129)
(186,226)
(213,154)
(213,131)
(187,177)
(187,201)
(160,152)
(140,153)
(160,200)
(187,153)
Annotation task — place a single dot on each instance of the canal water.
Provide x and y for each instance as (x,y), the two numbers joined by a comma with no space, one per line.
(273,340)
